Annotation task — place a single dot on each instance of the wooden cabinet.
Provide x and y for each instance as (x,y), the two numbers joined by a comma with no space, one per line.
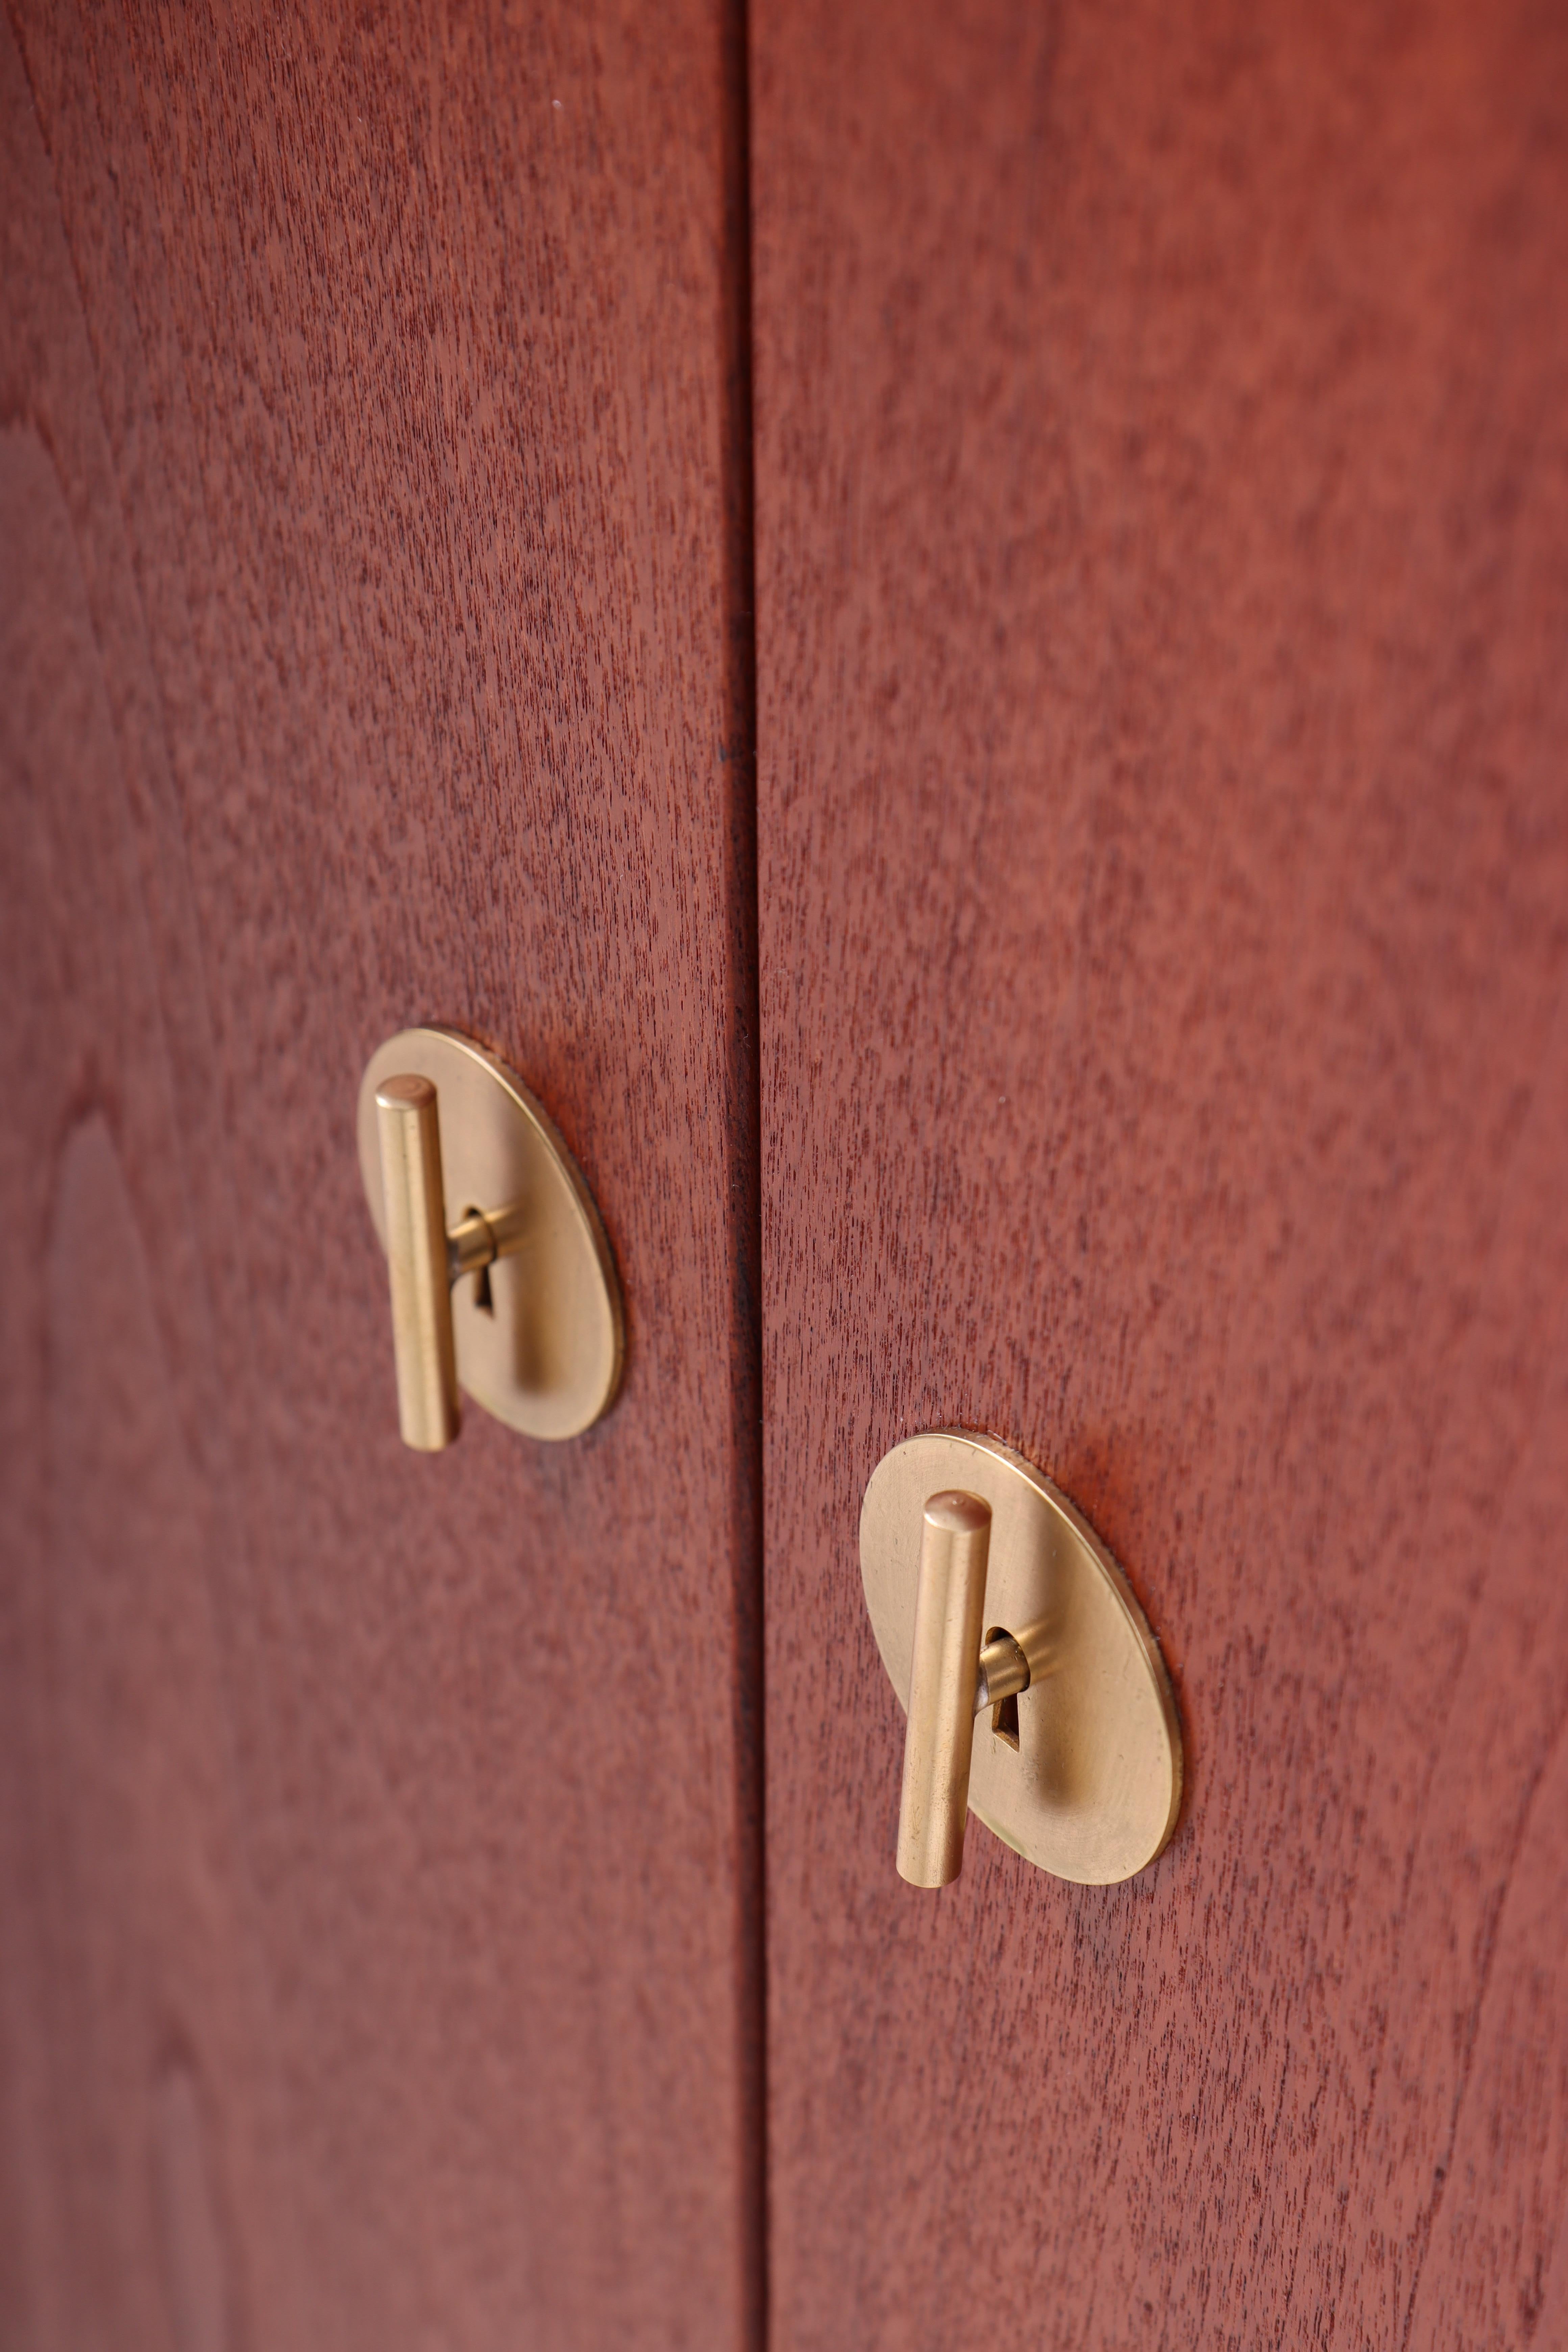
(949,629)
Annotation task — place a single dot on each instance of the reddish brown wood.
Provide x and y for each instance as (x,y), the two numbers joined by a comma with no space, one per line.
(373,606)
(1163,594)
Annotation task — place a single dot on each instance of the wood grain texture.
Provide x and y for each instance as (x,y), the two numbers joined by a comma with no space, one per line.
(375,629)
(1162,590)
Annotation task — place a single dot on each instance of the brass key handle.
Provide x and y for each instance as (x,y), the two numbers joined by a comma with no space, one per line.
(515,1301)
(949,1615)
(409,1125)
(422,1260)
(956,1676)
(989,1593)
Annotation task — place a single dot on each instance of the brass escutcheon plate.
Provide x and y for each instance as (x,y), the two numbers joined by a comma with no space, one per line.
(1092,1789)
(545,1357)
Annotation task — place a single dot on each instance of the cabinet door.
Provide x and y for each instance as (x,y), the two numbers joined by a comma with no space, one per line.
(377,1832)
(1162,506)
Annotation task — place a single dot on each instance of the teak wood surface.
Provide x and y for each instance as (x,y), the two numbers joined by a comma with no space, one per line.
(378,1836)
(1162,527)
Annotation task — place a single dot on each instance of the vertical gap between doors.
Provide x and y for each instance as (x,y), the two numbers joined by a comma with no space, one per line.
(745,1161)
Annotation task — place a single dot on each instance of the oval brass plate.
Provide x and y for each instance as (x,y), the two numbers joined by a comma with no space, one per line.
(1092,1789)
(545,1356)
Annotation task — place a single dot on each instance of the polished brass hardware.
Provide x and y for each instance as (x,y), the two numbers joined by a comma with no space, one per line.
(950,1605)
(409,1130)
(988,1590)
(516,1303)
